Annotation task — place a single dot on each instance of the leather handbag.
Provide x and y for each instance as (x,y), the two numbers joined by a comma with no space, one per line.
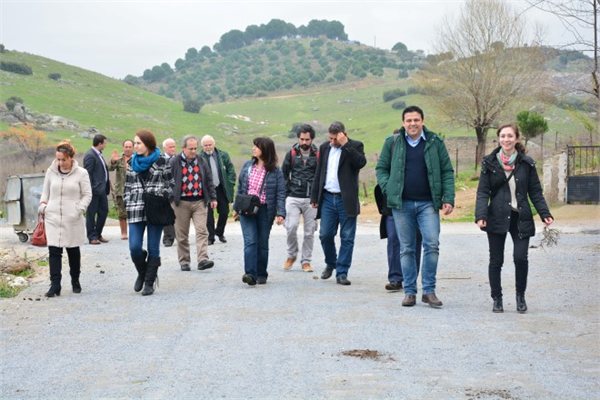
(249,204)
(39,233)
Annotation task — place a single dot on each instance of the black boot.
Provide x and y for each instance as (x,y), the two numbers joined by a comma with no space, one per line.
(55,261)
(54,290)
(151,275)
(521,305)
(498,307)
(140,265)
(76,285)
(75,268)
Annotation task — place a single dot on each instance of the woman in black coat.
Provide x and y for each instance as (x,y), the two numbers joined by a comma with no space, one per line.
(508,178)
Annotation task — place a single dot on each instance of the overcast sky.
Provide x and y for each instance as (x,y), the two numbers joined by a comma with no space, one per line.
(117,38)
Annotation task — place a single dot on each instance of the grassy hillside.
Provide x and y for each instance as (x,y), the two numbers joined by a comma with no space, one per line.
(118,109)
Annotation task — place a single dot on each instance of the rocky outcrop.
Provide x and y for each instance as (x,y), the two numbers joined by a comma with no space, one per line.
(22,114)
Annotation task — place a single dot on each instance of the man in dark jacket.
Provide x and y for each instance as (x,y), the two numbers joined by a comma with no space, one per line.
(335,194)
(97,211)
(299,167)
(418,180)
(223,174)
(193,193)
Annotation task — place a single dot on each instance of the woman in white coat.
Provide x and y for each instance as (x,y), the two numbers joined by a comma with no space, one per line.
(67,193)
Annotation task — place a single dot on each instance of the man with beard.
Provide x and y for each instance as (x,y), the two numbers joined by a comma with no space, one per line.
(299,167)
(120,165)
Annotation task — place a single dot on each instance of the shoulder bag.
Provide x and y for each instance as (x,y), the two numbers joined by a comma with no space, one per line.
(249,204)
(157,209)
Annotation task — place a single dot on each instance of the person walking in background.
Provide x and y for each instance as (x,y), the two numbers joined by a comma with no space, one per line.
(387,230)
(120,165)
(169,150)
(194,193)
(418,180)
(67,193)
(299,167)
(223,176)
(260,177)
(335,194)
(97,211)
(507,182)
(150,173)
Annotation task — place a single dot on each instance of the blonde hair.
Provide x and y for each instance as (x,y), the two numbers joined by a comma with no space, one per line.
(66,148)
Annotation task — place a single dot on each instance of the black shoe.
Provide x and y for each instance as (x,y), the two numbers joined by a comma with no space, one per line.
(327,273)
(394,286)
(222,239)
(249,280)
(205,264)
(54,290)
(76,286)
(168,244)
(521,304)
(498,307)
(211,242)
(185,267)
(261,280)
(342,280)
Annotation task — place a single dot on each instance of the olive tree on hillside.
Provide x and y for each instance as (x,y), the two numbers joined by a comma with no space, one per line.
(482,80)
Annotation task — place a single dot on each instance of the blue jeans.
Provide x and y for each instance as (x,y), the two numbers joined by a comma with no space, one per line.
(424,216)
(256,230)
(332,215)
(136,239)
(393,251)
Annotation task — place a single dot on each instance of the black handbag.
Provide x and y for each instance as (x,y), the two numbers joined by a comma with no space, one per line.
(157,209)
(249,204)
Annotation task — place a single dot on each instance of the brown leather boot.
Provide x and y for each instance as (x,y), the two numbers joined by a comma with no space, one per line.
(123,225)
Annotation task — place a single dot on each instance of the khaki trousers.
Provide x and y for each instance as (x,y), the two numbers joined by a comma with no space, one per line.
(184,212)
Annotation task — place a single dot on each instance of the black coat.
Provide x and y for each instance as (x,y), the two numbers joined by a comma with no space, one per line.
(95,168)
(352,160)
(493,195)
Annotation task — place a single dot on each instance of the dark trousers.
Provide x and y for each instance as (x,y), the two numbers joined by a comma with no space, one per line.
(55,261)
(96,215)
(223,210)
(169,234)
(520,249)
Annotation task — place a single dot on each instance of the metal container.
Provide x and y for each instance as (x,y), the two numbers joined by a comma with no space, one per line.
(22,199)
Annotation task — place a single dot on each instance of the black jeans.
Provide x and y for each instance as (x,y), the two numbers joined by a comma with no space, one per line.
(55,261)
(96,215)
(222,210)
(521,247)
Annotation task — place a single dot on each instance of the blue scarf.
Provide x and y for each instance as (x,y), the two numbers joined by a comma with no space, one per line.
(142,163)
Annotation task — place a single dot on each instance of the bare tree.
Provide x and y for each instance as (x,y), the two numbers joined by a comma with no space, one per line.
(492,66)
(580,19)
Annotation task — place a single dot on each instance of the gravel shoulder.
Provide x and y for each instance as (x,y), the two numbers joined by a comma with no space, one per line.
(205,334)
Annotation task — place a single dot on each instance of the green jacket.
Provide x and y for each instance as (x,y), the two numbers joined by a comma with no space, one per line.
(226,172)
(121,167)
(390,169)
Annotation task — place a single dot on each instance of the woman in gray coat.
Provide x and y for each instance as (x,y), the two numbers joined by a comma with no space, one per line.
(67,193)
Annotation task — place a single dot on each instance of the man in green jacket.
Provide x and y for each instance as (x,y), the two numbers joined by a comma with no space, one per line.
(418,180)
(119,164)
(223,175)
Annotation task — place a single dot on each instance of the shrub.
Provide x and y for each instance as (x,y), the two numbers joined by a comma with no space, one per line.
(403,74)
(399,105)
(12,101)
(2,49)
(17,68)
(390,95)
(192,106)
(54,76)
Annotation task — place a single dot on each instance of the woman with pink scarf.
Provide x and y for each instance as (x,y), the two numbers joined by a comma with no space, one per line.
(508,180)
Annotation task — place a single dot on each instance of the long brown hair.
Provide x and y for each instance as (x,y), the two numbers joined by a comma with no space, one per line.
(519,146)
(148,139)
(268,153)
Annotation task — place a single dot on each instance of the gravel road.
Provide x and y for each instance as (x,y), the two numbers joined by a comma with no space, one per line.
(205,334)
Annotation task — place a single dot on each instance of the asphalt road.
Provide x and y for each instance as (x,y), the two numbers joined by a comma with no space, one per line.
(205,334)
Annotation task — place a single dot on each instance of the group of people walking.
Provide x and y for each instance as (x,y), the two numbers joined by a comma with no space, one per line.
(415,181)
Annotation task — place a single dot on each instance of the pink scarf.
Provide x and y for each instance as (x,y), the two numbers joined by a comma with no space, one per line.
(507,162)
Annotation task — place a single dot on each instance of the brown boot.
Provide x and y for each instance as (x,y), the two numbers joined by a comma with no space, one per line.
(123,224)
